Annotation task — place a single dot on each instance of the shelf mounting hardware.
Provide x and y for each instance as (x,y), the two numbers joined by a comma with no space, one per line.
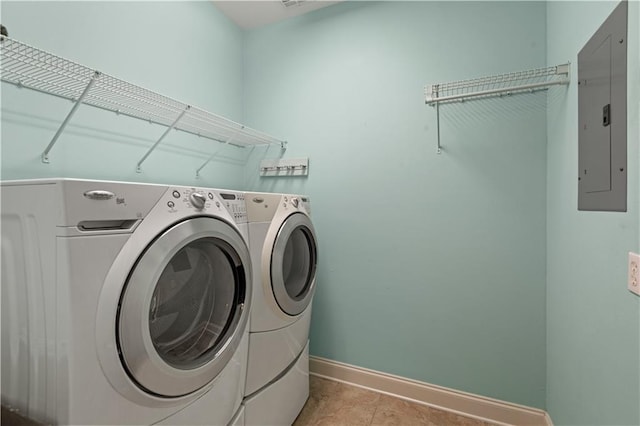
(439,150)
(513,83)
(212,156)
(166,132)
(45,153)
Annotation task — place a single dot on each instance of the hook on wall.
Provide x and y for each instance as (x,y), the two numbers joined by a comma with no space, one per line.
(284,167)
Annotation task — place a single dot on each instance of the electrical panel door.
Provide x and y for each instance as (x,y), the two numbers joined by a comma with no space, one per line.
(602,116)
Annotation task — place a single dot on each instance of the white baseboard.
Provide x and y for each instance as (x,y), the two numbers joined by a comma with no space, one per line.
(466,404)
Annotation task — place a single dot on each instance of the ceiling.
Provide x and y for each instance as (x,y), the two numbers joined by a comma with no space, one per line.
(254,14)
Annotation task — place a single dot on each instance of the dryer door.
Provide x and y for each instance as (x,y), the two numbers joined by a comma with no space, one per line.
(293,264)
(184,308)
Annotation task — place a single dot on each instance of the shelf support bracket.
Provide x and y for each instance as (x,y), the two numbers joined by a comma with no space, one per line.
(436,104)
(139,165)
(217,151)
(439,149)
(45,153)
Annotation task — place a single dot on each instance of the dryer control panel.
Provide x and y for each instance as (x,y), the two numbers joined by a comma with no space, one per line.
(234,202)
(298,202)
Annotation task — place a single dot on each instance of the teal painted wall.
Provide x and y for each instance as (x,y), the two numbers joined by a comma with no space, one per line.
(431,266)
(185,50)
(492,277)
(593,322)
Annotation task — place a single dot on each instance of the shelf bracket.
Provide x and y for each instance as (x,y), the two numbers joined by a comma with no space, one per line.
(439,150)
(45,154)
(139,165)
(217,151)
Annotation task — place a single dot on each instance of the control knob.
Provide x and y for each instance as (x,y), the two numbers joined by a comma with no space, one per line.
(197,200)
(294,201)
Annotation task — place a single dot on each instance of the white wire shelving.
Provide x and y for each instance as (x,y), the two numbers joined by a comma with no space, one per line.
(508,84)
(28,67)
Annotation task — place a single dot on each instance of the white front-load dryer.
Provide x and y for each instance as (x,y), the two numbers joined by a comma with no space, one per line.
(124,303)
(284,249)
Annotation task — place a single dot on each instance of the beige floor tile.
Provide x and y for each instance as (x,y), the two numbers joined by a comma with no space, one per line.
(394,411)
(333,403)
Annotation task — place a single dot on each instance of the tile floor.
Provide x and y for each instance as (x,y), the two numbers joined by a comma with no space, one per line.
(332,403)
(336,404)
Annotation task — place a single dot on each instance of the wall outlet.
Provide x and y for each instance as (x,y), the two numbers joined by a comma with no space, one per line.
(634,273)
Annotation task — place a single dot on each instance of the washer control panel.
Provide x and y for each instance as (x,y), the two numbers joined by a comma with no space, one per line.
(207,201)
(198,200)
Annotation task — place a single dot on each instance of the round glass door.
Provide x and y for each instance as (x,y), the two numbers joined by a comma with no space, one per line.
(193,303)
(293,264)
(184,307)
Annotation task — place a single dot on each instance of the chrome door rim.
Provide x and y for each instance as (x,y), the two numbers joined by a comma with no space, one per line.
(138,354)
(288,304)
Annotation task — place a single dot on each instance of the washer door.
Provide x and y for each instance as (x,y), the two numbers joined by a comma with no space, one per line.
(185,307)
(293,264)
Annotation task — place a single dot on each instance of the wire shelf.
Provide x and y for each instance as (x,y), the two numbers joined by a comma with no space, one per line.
(496,85)
(26,66)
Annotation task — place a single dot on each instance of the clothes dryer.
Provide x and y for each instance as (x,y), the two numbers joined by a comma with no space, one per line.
(124,303)
(283,248)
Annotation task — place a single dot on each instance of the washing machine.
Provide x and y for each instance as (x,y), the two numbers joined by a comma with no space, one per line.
(283,248)
(124,303)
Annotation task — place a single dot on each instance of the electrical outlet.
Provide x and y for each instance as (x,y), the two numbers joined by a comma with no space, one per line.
(634,273)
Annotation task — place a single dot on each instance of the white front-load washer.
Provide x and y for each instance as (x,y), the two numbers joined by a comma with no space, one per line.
(124,303)
(283,248)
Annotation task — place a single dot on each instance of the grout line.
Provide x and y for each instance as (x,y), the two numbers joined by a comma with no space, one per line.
(374,416)
(375,411)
